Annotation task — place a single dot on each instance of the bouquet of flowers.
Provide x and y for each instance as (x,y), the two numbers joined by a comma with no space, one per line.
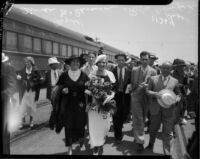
(102,93)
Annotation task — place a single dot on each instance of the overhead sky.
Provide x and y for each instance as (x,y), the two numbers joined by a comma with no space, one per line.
(169,31)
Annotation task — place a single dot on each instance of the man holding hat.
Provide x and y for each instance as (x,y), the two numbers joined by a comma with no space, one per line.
(123,76)
(161,89)
(52,76)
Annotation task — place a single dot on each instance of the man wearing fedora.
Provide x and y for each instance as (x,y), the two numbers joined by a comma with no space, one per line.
(122,97)
(139,100)
(162,89)
(52,75)
(8,88)
(179,74)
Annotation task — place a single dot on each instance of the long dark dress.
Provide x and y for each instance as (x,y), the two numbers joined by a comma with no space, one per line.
(74,108)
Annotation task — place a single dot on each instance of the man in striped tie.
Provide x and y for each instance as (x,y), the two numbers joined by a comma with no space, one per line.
(122,76)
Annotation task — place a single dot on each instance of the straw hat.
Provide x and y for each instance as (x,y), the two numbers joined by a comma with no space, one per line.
(168,98)
(53,60)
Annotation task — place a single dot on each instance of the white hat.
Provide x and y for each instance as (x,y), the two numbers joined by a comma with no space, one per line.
(52,60)
(100,58)
(168,98)
(4,57)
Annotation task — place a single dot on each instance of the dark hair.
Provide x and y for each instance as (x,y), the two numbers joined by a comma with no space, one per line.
(93,52)
(144,53)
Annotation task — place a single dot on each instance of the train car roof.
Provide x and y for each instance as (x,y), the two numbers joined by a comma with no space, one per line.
(33,20)
(112,49)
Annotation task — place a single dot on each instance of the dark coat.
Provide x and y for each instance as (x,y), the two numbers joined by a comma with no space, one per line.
(8,88)
(64,105)
(56,116)
(32,83)
(127,79)
(47,83)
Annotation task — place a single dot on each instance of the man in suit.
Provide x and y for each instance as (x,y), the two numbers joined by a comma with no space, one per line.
(122,76)
(8,88)
(139,105)
(52,76)
(158,113)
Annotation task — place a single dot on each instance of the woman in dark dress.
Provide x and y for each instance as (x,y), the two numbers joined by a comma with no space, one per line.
(73,100)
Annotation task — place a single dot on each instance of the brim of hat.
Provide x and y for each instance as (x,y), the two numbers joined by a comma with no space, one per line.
(121,55)
(67,61)
(162,92)
(54,63)
(179,65)
(162,104)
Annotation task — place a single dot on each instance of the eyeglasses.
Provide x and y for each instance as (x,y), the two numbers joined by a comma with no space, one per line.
(144,59)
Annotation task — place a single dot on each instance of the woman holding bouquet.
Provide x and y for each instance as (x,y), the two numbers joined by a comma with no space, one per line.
(99,87)
(72,103)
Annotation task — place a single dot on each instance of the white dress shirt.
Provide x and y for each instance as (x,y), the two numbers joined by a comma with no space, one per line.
(53,79)
(123,72)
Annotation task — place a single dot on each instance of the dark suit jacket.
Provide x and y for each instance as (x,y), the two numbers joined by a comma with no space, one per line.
(125,98)
(32,83)
(47,83)
(126,81)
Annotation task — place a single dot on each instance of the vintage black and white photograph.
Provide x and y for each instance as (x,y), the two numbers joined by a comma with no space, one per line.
(94,79)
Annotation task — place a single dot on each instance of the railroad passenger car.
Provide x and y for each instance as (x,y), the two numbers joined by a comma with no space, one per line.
(25,34)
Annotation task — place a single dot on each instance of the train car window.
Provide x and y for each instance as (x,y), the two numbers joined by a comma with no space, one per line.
(79,51)
(63,50)
(37,43)
(75,51)
(55,49)
(11,40)
(27,42)
(69,50)
(47,47)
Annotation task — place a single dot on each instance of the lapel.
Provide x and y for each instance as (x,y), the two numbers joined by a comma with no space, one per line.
(49,76)
(136,74)
(125,75)
(115,74)
(160,83)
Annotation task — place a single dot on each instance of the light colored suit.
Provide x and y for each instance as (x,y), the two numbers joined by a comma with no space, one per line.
(138,108)
(159,114)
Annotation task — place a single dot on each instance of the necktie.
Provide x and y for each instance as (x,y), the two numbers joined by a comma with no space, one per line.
(55,75)
(120,80)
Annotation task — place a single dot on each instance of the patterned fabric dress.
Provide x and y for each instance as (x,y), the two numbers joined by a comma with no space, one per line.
(99,124)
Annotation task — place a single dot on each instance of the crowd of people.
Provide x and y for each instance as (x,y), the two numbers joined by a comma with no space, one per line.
(149,94)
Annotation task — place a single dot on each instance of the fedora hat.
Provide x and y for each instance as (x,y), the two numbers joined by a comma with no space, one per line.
(121,54)
(72,57)
(178,62)
(4,57)
(52,60)
(167,99)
